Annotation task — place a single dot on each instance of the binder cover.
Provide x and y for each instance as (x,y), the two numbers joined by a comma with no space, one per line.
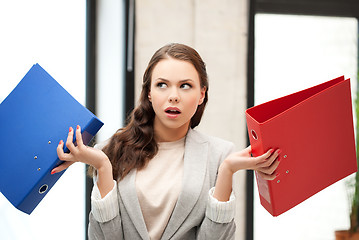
(314,130)
(34,117)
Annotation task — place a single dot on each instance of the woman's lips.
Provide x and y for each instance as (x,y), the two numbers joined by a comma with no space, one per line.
(172,112)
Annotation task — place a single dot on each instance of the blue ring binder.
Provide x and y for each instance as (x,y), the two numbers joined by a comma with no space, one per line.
(34,117)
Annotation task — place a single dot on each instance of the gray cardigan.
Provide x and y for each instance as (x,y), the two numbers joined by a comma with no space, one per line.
(191,217)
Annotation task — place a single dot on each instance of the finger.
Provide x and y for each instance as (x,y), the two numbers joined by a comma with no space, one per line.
(263,158)
(248,149)
(60,152)
(69,142)
(271,169)
(245,152)
(267,176)
(270,159)
(273,157)
(61,167)
(79,140)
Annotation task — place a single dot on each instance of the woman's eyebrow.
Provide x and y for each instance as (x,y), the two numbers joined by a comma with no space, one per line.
(162,79)
(186,80)
(181,81)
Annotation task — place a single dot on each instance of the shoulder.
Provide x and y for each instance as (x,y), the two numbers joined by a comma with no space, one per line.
(211,148)
(102,144)
(215,143)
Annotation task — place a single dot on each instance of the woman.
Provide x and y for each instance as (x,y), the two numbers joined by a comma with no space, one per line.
(158,178)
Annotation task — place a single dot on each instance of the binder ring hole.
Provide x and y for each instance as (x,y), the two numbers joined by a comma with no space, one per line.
(43,188)
(254,134)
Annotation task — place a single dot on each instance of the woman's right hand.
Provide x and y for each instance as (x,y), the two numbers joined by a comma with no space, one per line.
(80,153)
(88,155)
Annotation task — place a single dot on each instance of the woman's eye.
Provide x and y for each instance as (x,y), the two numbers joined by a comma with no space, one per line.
(161,85)
(186,86)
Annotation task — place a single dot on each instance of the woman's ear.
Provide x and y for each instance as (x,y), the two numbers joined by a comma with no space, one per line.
(203,95)
(149,96)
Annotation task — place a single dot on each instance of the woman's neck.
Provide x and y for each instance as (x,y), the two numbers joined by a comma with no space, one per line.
(170,134)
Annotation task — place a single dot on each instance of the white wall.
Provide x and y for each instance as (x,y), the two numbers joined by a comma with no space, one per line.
(51,33)
(293,53)
(218,31)
(110,66)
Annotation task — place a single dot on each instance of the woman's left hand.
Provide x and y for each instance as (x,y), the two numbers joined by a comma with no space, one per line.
(265,164)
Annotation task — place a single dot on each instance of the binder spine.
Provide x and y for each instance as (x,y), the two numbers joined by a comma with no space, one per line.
(255,138)
(90,130)
(38,192)
(258,148)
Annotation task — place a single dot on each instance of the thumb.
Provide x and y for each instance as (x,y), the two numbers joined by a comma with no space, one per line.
(248,149)
(61,167)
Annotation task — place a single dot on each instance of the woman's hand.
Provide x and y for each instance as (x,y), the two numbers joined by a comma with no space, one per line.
(265,164)
(87,155)
(79,153)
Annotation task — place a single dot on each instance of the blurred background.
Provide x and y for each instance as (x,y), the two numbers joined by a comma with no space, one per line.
(255,51)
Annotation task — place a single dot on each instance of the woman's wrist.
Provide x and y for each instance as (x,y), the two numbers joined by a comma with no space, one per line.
(104,166)
(223,187)
(105,178)
(226,167)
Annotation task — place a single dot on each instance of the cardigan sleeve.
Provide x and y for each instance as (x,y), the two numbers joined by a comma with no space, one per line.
(107,208)
(105,219)
(220,212)
(218,223)
(217,211)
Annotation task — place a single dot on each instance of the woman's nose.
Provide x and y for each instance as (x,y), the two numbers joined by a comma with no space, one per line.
(174,97)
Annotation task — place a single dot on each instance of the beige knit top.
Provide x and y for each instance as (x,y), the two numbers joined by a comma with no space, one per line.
(158,186)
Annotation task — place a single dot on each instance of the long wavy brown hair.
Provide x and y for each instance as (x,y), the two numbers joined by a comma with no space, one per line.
(134,145)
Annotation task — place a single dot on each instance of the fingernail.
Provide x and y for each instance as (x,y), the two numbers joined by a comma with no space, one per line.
(279,151)
(53,172)
(60,142)
(277,174)
(77,127)
(70,129)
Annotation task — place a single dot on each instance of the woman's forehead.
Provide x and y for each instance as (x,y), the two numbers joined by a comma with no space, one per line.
(175,70)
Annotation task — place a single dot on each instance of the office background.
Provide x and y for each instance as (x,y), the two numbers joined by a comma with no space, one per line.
(255,50)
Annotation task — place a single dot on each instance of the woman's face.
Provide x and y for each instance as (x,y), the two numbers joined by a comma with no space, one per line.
(175,94)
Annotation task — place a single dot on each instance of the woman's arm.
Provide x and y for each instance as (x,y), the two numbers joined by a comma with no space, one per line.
(105,219)
(87,155)
(265,165)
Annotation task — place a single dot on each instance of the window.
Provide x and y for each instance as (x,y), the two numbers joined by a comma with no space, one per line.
(51,33)
(293,53)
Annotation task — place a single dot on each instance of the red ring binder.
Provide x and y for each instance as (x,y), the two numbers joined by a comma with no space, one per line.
(314,130)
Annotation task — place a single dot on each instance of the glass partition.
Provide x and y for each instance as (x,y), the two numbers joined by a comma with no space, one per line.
(51,33)
(293,53)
